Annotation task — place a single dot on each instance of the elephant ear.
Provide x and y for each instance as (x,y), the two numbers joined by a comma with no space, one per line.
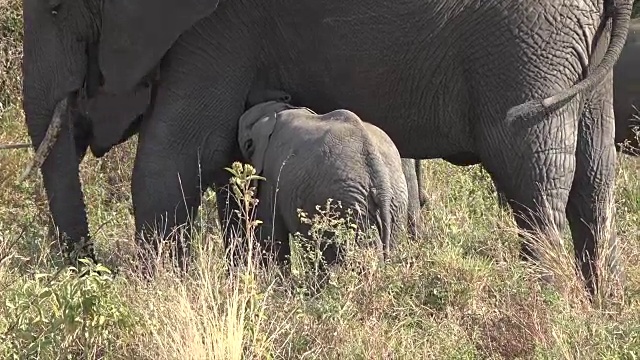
(137,33)
(112,115)
(261,135)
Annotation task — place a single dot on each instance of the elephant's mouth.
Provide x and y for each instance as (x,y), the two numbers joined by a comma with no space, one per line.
(60,111)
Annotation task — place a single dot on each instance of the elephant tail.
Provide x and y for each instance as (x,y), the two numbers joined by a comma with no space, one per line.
(385,226)
(381,194)
(621,16)
(381,213)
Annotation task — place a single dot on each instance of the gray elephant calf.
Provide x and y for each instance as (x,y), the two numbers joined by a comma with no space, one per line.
(307,158)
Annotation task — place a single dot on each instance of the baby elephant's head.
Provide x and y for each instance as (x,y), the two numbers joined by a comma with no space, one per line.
(254,131)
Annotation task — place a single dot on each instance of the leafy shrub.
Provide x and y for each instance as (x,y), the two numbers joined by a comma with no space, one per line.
(63,314)
(10,53)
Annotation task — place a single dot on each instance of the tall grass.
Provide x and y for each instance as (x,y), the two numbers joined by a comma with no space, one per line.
(458,292)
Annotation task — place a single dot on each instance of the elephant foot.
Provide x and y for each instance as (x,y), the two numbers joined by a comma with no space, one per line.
(75,250)
(172,254)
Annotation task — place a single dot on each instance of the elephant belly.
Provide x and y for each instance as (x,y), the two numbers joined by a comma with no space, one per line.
(343,64)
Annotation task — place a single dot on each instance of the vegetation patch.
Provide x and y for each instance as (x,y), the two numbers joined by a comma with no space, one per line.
(458,292)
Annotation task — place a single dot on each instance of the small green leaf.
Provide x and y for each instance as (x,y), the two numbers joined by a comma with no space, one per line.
(45,294)
(102,268)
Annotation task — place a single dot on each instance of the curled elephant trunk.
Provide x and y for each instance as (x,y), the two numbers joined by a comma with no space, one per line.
(49,138)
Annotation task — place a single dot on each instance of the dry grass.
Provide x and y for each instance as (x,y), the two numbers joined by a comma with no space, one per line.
(458,293)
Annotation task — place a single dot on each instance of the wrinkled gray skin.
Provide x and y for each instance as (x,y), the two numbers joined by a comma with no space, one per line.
(626,90)
(459,80)
(626,99)
(308,158)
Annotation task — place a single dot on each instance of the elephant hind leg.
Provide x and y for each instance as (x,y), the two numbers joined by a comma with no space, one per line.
(590,210)
(533,166)
(412,172)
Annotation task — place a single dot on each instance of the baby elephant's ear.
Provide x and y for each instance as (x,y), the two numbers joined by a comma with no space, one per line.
(261,134)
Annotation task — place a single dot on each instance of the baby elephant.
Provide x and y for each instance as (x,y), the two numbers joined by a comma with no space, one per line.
(307,158)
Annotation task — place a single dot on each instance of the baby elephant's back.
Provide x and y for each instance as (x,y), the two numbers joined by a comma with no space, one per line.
(343,133)
(331,147)
(378,154)
(339,147)
(339,133)
(387,178)
(351,161)
(384,144)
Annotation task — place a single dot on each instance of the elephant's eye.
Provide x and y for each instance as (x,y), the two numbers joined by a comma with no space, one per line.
(54,7)
(249,145)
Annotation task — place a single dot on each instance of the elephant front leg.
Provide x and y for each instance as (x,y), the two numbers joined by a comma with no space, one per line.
(273,233)
(166,196)
(590,210)
(190,137)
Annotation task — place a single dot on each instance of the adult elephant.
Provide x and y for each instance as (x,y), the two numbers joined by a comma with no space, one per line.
(626,91)
(523,85)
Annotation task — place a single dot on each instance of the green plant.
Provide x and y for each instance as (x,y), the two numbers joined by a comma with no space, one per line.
(332,225)
(458,292)
(10,53)
(63,315)
(244,193)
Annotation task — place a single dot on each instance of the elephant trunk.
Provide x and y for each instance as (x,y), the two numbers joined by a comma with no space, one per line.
(56,156)
(54,67)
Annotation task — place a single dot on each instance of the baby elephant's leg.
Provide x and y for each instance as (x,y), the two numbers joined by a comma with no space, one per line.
(272,234)
(281,247)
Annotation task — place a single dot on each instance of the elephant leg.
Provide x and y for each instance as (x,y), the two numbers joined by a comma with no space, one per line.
(183,148)
(191,134)
(165,194)
(590,210)
(273,234)
(422,193)
(280,245)
(534,166)
(410,170)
